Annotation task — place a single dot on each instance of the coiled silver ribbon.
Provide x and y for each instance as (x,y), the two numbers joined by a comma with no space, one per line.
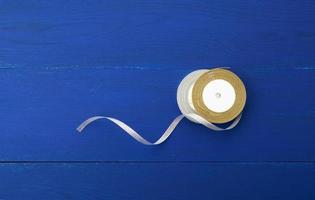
(185,106)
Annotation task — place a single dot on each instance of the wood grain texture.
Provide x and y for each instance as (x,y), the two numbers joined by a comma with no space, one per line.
(64,61)
(182,34)
(42,108)
(157,181)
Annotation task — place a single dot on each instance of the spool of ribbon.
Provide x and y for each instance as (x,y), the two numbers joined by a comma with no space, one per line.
(206,96)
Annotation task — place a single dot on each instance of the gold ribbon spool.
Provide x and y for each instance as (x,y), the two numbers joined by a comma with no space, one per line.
(191,103)
(204,111)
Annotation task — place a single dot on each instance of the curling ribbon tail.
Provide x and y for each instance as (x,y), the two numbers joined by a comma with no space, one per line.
(168,131)
(132,132)
(214,127)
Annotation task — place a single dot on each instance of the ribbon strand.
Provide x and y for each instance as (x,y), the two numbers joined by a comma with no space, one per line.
(165,135)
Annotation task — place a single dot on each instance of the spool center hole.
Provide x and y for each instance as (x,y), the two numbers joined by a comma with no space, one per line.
(218,95)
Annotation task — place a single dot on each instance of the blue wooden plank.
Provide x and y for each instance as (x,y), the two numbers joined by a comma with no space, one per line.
(180,33)
(40,109)
(157,181)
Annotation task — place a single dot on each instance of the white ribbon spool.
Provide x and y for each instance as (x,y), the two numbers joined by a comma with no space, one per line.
(218,96)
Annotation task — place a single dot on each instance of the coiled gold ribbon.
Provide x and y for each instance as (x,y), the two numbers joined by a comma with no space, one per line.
(203,96)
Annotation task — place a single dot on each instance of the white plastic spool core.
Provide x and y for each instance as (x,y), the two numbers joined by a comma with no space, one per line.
(219,95)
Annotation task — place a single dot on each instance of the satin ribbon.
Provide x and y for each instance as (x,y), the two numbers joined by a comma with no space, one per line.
(168,131)
(185,105)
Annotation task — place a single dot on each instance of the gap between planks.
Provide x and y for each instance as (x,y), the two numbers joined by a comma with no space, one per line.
(155,162)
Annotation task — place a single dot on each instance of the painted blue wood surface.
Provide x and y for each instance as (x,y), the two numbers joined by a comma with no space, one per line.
(158,181)
(42,108)
(64,61)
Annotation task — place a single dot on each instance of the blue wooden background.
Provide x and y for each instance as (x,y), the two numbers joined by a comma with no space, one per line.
(64,61)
